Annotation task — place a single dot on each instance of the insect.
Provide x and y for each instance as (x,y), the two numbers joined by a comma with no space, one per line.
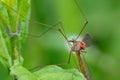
(76,46)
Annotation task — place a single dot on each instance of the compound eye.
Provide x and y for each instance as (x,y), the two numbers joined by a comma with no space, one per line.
(82,45)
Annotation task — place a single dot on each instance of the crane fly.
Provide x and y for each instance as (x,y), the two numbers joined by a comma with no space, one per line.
(79,46)
(76,45)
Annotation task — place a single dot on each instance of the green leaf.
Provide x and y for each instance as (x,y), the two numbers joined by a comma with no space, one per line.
(24,15)
(21,73)
(17,14)
(13,14)
(4,15)
(53,72)
(5,48)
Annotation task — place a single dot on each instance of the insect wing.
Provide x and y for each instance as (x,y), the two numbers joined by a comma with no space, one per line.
(88,40)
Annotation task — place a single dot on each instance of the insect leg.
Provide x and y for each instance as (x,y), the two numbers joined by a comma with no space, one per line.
(62,32)
(86,21)
(69,57)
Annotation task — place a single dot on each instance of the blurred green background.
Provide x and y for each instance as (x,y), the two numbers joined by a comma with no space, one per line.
(103,16)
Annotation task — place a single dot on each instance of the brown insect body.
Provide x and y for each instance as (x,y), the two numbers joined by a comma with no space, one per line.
(77,46)
(81,65)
